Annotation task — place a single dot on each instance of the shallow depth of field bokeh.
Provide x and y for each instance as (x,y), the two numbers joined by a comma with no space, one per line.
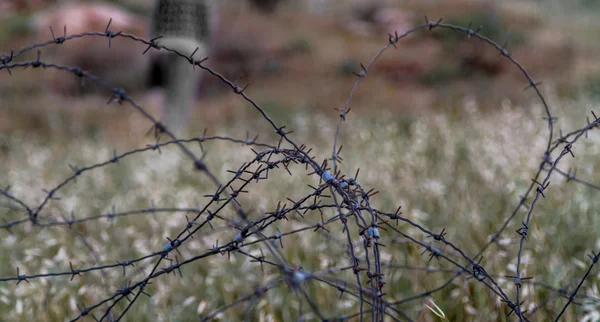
(440,126)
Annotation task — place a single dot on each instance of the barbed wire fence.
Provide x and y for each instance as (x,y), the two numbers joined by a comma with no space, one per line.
(341,194)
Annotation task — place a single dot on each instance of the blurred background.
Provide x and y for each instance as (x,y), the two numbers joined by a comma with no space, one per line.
(300,55)
(441,125)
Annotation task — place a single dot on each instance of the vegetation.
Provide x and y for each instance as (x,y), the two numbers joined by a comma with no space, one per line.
(453,162)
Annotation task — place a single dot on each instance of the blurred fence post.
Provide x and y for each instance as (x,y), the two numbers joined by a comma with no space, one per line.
(186,26)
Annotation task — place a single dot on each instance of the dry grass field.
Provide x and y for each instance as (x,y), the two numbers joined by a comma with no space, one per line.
(440,126)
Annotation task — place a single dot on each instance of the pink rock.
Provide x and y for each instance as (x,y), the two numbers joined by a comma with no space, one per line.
(122,64)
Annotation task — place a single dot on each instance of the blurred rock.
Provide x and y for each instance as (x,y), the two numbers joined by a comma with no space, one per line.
(11,7)
(374,18)
(122,64)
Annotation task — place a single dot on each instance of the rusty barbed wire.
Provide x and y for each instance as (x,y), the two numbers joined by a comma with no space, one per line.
(348,198)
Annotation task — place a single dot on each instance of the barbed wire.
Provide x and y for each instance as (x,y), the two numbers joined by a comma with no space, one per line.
(345,195)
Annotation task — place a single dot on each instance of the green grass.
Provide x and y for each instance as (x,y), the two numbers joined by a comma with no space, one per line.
(461,167)
(464,174)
